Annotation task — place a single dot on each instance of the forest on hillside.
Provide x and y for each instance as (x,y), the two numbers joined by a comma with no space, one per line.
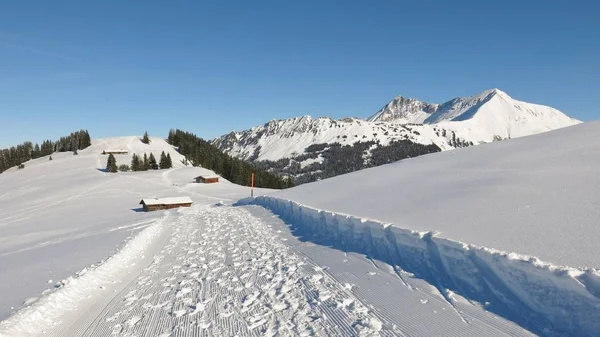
(202,153)
(19,154)
(330,160)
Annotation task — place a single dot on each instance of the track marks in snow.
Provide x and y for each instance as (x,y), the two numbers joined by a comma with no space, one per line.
(224,273)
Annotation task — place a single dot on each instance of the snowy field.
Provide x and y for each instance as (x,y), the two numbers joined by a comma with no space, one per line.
(536,195)
(371,264)
(58,217)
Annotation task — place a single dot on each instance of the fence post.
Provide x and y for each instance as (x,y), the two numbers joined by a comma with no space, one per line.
(252,186)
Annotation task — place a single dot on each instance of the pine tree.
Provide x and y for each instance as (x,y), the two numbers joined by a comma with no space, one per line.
(135,163)
(36,151)
(152,162)
(111,164)
(163,160)
(169,162)
(146,139)
(145,164)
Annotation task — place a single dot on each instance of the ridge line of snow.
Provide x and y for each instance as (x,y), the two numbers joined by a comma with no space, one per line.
(48,312)
(539,296)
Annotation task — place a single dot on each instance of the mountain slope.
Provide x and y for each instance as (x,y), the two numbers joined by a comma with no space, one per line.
(478,118)
(60,216)
(289,138)
(404,110)
(306,148)
(496,223)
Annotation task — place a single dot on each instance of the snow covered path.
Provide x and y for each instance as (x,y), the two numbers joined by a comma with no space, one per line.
(240,271)
(223,272)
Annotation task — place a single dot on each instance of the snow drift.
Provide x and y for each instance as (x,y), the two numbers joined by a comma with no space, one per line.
(544,298)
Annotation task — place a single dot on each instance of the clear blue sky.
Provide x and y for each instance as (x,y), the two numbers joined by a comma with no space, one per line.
(122,67)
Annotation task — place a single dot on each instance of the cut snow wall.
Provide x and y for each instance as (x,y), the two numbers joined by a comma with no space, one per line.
(546,299)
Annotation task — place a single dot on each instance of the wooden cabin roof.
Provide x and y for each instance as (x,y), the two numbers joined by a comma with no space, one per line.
(207,177)
(166,201)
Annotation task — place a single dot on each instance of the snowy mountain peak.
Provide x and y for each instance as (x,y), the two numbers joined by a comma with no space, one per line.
(494,91)
(404,110)
(485,117)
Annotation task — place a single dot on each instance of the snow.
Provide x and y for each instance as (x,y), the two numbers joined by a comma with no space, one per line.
(225,270)
(494,240)
(286,138)
(404,110)
(480,118)
(208,176)
(167,201)
(310,161)
(58,217)
(538,295)
(494,113)
(534,195)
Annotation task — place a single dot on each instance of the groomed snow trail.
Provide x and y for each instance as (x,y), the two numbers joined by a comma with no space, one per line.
(222,272)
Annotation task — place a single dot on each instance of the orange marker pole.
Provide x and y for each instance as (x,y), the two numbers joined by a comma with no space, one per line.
(252,186)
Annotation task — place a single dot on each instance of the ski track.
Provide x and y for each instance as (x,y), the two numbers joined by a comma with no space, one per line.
(222,272)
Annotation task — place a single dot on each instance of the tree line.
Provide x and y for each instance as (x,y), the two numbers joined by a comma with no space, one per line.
(337,159)
(140,163)
(202,153)
(17,155)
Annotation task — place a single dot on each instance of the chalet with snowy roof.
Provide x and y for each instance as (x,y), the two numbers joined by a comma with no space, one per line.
(155,204)
(120,151)
(207,179)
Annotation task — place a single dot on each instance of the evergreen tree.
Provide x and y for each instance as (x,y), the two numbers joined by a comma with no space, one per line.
(163,160)
(111,164)
(37,152)
(146,139)
(200,152)
(16,155)
(124,168)
(169,162)
(152,162)
(145,164)
(135,163)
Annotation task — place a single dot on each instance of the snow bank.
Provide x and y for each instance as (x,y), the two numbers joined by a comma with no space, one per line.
(68,302)
(541,297)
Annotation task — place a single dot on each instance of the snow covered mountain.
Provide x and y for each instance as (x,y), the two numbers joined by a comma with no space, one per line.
(489,116)
(279,139)
(479,118)
(404,110)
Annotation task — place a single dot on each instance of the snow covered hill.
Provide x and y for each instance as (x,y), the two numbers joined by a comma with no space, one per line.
(512,225)
(58,217)
(534,195)
(212,269)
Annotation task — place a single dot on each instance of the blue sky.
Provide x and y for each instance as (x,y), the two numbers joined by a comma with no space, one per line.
(122,67)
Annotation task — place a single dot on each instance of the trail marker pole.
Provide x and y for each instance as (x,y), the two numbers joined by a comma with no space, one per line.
(252,186)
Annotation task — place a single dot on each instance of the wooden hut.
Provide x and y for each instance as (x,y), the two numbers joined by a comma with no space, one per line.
(114,152)
(207,179)
(155,204)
